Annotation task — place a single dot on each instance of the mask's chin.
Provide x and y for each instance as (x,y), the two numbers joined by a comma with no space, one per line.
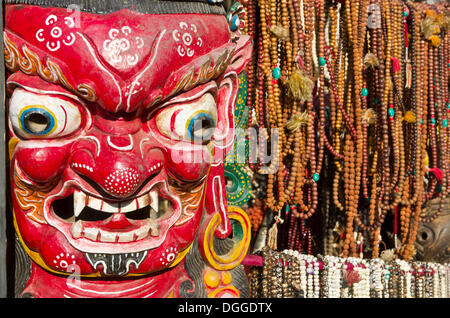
(93,224)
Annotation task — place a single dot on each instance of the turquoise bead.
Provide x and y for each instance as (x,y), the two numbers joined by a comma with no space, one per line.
(316,177)
(365,92)
(405,13)
(391,112)
(276,73)
(433,121)
(444,123)
(322,61)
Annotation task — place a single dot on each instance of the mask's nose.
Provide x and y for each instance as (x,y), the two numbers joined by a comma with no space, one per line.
(115,163)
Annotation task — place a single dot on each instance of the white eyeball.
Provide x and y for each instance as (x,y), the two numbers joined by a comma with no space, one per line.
(41,116)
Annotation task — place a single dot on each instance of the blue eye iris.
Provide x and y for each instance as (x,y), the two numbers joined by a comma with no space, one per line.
(201,128)
(37,121)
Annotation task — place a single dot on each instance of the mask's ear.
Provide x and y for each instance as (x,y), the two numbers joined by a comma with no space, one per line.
(242,54)
(216,201)
(227,95)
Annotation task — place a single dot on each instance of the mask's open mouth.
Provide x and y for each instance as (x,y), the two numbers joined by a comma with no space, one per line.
(88,220)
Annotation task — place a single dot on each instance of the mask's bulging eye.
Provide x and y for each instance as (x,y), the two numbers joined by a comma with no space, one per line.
(193,122)
(40,116)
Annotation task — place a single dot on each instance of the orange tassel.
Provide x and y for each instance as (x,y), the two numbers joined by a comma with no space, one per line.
(430,13)
(369,116)
(300,85)
(409,117)
(280,32)
(435,40)
(371,61)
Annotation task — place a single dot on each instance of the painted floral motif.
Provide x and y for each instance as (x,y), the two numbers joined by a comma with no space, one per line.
(119,46)
(64,261)
(169,256)
(187,39)
(54,36)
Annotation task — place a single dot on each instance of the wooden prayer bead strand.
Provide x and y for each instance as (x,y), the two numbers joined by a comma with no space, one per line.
(446,78)
(308,8)
(295,166)
(374,225)
(265,67)
(414,133)
(322,44)
(298,196)
(337,92)
(441,142)
(334,27)
(397,19)
(279,114)
(338,89)
(266,271)
(419,97)
(402,165)
(415,225)
(380,176)
(348,187)
(288,150)
(311,149)
(293,29)
(406,213)
(334,100)
(385,103)
(395,148)
(405,216)
(275,87)
(395,98)
(433,159)
(408,251)
(445,83)
(349,152)
(443,124)
(288,10)
(285,17)
(422,122)
(252,101)
(357,86)
(331,68)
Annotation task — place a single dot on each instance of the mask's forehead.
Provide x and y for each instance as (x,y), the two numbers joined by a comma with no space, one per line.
(126,59)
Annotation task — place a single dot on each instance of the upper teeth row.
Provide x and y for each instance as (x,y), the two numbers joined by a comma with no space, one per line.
(81,200)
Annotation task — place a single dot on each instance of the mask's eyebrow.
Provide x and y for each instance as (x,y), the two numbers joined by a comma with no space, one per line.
(29,63)
(208,68)
(211,69)
(192,95)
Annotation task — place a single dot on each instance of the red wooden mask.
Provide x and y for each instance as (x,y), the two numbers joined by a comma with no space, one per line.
(119,125)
